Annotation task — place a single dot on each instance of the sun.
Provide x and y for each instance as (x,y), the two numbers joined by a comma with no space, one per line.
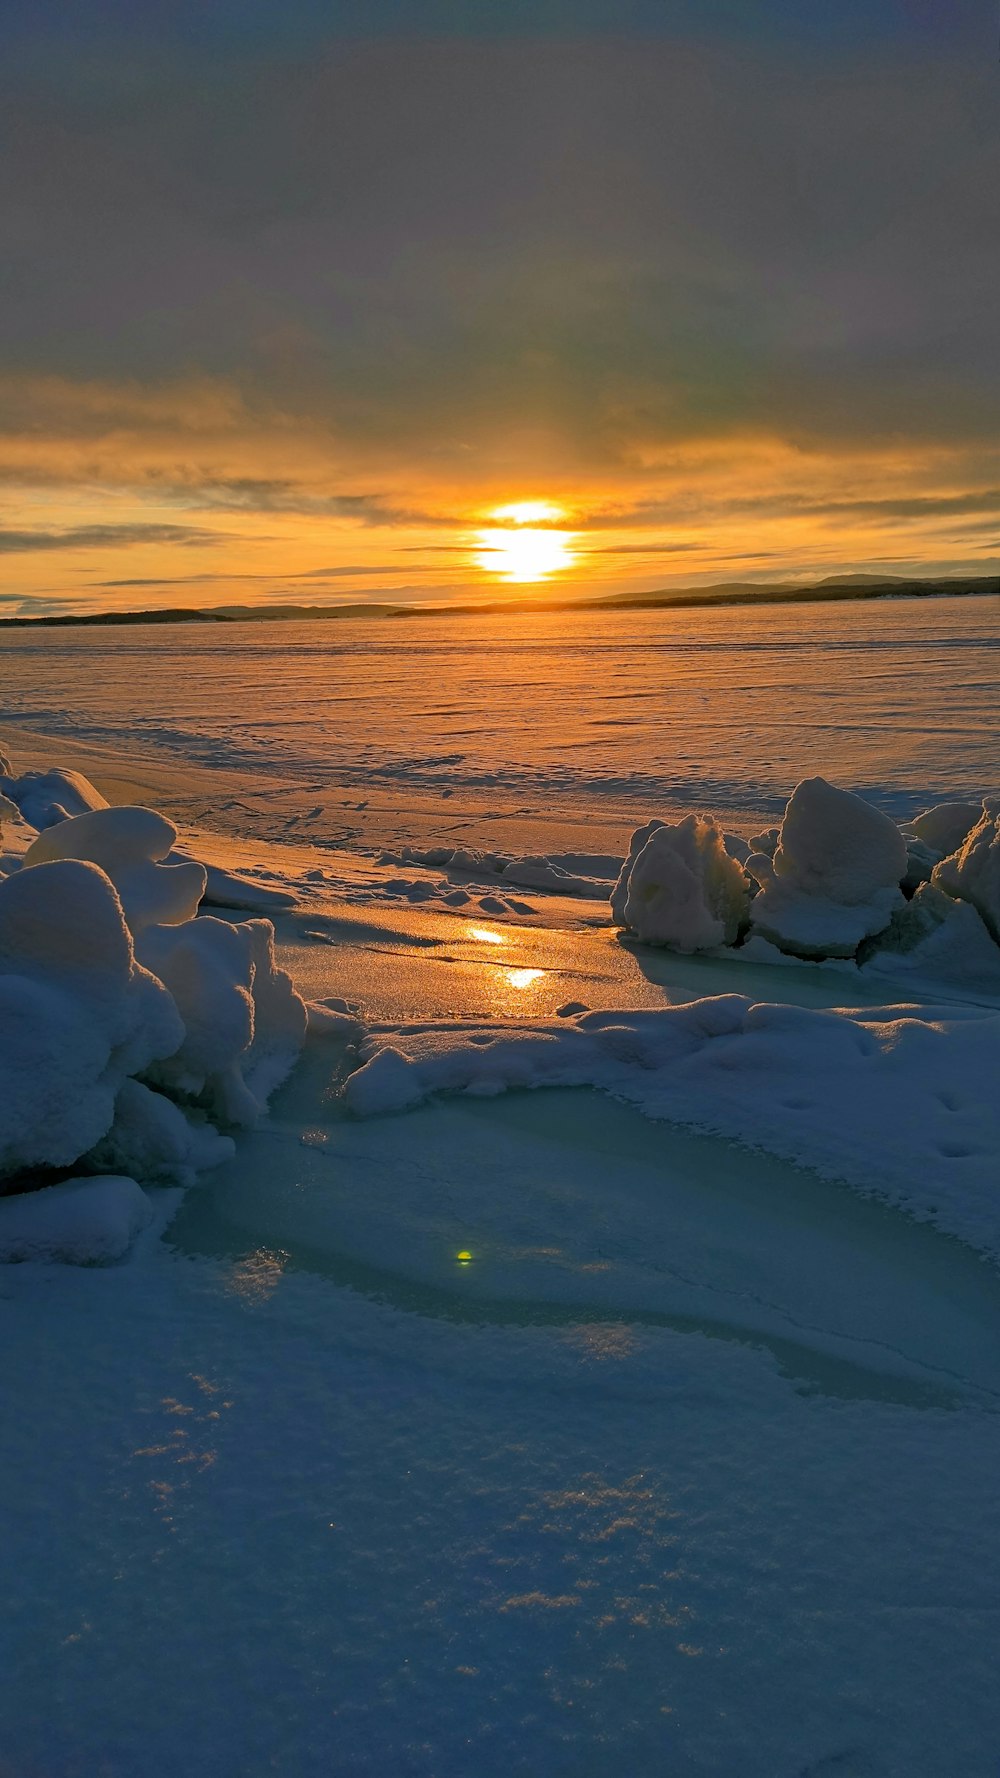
(517,549)
(528,512)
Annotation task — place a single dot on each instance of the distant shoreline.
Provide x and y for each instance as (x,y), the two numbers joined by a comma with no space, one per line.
(834,591)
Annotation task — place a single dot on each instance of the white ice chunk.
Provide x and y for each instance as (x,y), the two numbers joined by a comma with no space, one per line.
(619,894)
(244,1024)
(153,1140)
(82,1222)
(130,845)
(814,925)
(45,798)
(832,843)
(682,887)
(77,1014)
(231,889)
(944,827)
(936,939)
(834,878)
(920,862)
(973,872)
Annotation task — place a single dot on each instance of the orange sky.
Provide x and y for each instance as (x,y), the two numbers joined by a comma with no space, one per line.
(290,321)
(261,524)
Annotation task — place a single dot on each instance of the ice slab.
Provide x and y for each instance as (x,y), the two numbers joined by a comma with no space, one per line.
(571,1209)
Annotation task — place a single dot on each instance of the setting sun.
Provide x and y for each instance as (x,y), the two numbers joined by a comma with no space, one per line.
(520,550)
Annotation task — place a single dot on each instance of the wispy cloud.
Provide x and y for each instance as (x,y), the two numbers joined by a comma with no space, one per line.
(104,537)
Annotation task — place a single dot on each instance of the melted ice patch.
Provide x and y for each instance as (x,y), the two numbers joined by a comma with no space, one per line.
(567,1208)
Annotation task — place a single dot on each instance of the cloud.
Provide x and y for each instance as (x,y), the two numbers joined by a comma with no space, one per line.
(104,537)
(595,248)
(723,278)
(347,570)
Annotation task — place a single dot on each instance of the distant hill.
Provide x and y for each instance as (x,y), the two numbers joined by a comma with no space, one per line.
(837,588)
(834,589)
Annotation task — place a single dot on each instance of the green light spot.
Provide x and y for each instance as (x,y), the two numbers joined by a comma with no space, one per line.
(464,1258)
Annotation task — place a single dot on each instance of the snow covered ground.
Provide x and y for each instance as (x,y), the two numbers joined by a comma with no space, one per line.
(648,1420)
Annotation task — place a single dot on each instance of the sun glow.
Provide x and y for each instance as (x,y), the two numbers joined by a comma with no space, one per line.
(517,550)
(528,512)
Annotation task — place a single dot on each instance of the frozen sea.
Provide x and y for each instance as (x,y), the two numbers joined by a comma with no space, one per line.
(516,1433)
(529,730)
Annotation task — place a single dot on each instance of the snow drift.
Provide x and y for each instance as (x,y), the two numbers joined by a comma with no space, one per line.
(680,887)
(837,879)
(130,1025)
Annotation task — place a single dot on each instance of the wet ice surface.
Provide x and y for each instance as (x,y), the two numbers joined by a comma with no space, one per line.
(514,1435)
(396,964)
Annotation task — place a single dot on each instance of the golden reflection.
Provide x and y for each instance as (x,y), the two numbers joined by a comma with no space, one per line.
(257,1274)
(485,936)
(523,978)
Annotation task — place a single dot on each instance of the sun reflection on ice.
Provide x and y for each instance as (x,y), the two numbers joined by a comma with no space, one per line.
(523,978)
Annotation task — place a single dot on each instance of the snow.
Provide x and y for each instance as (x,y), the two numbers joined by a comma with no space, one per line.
(522,1430)
(972,873)
(944,827)
(897,1101)
(77,1013)
(105,975)
(587,875)
(680,887)
(131,845)
(82,1222)
(45,798)
(835,874)
(935,939)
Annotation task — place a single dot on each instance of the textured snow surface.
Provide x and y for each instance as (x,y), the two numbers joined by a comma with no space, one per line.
(689,1467)
(82,1222)
(520,1434)
(503,732)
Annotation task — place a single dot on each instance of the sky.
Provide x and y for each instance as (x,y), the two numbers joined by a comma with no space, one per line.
(295,300)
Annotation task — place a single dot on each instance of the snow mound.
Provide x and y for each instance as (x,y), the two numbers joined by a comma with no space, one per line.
(972,873)
(680,887)
(897,1101)
(153,1139)
(45,798)
(835,874)
(937,940)
(130,845)
(77,1013)
(944,827)
(126,1024)
(231,889)
(243,1022)
(83,1222)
